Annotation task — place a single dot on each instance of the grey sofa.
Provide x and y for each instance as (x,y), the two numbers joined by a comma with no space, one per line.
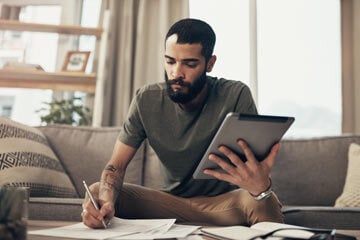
(308,176)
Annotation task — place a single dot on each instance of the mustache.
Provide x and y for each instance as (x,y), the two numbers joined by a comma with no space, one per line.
(179,82)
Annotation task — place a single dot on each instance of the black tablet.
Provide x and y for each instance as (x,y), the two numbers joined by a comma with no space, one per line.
(260,132)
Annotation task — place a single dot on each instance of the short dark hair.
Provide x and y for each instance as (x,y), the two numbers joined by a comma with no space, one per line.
(192,31)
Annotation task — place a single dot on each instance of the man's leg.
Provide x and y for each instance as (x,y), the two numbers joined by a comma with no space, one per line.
(232,208)
(238,207)
(136,201)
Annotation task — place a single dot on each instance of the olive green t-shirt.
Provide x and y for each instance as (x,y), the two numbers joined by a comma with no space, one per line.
(180,138)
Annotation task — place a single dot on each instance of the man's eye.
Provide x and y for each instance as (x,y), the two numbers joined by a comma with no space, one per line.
(170,62)
(191,65)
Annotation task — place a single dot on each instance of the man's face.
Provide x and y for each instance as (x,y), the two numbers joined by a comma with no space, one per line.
(185,70)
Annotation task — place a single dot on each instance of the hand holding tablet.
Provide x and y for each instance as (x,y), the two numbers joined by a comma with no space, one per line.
(260,132)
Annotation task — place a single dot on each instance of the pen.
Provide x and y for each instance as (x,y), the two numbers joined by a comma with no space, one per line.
(93,201)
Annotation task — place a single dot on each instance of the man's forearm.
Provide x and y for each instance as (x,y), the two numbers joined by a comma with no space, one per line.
(110,183)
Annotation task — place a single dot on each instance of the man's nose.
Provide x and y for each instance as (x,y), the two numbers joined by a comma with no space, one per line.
(177,72)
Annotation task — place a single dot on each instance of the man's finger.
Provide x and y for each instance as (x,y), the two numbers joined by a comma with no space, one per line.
(90,220)
(107,211)
(247,151)
(270,159)
(233,157)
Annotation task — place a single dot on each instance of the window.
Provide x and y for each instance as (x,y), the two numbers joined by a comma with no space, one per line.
(89,18)
(299,64)
(45,49)
(6,103)
(299,58)
(231,25)
(28,47)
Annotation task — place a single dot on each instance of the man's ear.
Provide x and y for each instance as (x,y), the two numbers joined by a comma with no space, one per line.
(211,63)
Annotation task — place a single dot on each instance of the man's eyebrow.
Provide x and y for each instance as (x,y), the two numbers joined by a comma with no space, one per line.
(166,56)
(190,60)
(185,59)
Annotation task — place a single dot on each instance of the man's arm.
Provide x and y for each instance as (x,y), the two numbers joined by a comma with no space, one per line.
(113,174)
(111,181)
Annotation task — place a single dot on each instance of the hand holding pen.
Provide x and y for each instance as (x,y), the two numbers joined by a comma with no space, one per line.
(96,206)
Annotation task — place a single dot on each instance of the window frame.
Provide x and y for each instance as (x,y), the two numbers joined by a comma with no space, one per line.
(70,15)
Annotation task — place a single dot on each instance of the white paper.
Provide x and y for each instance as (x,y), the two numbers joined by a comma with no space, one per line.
(118,227)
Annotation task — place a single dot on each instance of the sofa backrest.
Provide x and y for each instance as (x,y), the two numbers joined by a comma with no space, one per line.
(84,151)
(312,171)
(307,172)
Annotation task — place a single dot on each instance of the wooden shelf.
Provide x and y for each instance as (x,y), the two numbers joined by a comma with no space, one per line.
(60,81)
(37,27)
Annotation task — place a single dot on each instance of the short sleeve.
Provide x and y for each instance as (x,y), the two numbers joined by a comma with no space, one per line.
(132,132)
(245,102)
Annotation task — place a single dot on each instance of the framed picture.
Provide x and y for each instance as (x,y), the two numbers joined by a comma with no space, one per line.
(76,61)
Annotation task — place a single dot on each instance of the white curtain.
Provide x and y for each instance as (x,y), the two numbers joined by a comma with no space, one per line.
(9,12)
(350,18)
(135,50)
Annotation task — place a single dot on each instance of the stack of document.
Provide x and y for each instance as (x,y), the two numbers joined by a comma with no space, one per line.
(123,229)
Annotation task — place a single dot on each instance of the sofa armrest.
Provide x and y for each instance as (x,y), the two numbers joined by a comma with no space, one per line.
(323,217)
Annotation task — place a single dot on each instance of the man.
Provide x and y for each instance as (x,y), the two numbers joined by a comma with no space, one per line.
(179,119)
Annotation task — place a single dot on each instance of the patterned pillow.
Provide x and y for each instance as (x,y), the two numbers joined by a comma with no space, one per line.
(26,160)
(350,196)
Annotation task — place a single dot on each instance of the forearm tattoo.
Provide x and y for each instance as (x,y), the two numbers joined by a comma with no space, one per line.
(111,180)
(110,168)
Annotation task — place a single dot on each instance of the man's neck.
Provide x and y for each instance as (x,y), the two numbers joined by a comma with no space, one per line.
(197,102)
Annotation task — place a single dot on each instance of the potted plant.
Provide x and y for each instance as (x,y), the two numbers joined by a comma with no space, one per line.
(68,111)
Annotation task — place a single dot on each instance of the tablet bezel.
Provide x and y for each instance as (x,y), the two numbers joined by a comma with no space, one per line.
(260,132)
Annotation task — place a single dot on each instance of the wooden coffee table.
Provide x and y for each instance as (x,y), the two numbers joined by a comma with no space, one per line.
(38,225)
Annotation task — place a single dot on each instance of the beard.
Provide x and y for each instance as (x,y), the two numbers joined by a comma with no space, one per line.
(193,90)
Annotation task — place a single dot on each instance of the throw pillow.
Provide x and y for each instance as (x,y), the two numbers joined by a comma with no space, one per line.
(26,160)
(351,192)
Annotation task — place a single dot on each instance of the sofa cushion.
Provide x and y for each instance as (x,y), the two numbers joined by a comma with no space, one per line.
(311,172)
(26,160)
(55,209)
(350,196)
(84,151)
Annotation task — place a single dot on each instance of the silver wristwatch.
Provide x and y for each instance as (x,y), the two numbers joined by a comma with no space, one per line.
(267,193)
(263,195)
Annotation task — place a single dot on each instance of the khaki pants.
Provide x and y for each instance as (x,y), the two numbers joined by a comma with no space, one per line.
(232,208)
